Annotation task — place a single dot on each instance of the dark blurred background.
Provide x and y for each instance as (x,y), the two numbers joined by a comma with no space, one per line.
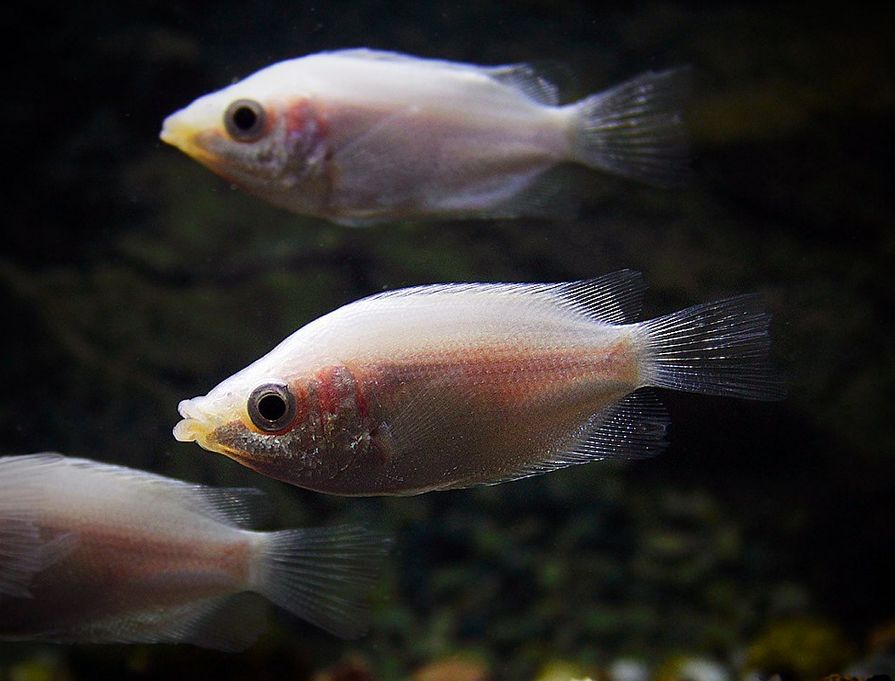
(760,541)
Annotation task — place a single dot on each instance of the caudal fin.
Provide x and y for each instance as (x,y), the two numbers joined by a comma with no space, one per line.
(636,129)
(322,575)
(718,348)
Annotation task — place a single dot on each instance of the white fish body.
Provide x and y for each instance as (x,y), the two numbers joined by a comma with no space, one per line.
(360,136)
(446,386)
(98,553)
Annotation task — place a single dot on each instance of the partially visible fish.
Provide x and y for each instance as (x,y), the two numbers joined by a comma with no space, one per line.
(98,553)
(447,386)
(361,136)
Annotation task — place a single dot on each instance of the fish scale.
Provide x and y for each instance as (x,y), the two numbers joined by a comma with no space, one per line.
(99,553)
(470,384)
(363,136)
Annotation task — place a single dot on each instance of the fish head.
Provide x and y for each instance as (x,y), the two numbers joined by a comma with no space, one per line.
(268,423)
(252,134)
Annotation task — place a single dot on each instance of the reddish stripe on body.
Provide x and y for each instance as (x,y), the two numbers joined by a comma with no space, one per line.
(339,387)
(506,369)
(360,400)
(123,554)
(327,391)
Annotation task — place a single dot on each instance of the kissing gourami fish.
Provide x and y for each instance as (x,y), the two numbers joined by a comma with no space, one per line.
(447,386)
(97,553)
(361,136)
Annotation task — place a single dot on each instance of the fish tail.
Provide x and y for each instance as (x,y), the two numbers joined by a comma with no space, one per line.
(322,575)
(718,348)
(636,129)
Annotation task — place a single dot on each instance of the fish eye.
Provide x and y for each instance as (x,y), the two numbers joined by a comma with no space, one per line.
(271,407)
(244,120)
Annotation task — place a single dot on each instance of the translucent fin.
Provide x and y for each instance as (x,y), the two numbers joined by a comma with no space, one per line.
(19,555)
(24,551)
(415,425)
(614,298)
(370,174)
(528,80)
(372,55)
(717,348)
(632,428)
(376,184)
(559,73)
(24,554)
(322,575)
(240,506)
(230,623)
(636,129)
(494,193)
(544,195)
(368,54)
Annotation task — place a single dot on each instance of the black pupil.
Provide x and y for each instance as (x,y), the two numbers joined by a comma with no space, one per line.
(245,118)
(272,407)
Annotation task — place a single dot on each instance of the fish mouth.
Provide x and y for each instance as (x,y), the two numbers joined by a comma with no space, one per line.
(180,133)
(195,426)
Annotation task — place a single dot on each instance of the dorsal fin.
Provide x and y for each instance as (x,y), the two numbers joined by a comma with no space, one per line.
(373,55)
(526,79)
(367,54)
(632,428)
(615,298)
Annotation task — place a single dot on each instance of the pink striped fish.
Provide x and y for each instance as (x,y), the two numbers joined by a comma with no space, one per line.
(98,553)
(362,136)
(447,386)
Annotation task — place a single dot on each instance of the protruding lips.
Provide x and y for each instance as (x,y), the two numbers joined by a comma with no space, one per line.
(196,425)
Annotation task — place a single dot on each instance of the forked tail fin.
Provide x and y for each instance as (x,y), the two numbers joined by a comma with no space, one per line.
(718,348)
(636,129)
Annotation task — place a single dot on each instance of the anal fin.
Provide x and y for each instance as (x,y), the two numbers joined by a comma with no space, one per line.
(632,428)
(230,623)
(547,194)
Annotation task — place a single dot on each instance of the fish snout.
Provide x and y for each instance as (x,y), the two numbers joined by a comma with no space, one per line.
(175,131)
(180,130)
(196,423)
